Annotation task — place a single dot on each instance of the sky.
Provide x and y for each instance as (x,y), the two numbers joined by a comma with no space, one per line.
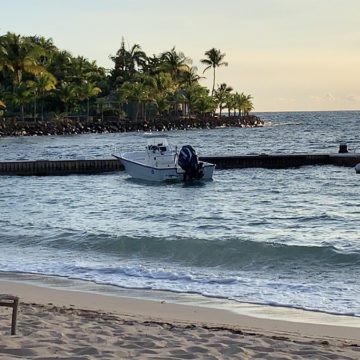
(290,55)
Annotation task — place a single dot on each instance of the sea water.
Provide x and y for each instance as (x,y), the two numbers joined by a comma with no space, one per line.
(286,237)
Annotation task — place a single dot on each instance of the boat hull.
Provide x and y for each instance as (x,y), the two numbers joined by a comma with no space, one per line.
(141,171)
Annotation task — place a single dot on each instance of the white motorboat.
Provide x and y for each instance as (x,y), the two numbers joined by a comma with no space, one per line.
(161,163)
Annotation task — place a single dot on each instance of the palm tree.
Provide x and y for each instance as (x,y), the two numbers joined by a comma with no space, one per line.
(165,87)
(152,65)
(86,91)
(81,70)
(248,106)
(230,103)
(46,44)
(221,94)
(204,104)
(175,63)
(59,64)
(127,62)
(192,93)
(20,97)
(243,103)
(214,59)
(22,56)
(3,53)
(141,91)
(2,107)
(190,76)
(42,84)
(67,93)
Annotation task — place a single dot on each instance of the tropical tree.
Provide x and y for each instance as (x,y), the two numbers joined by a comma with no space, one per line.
(67,94)
(198,99)
(43,42)
(34,71)
(164,88)
(194,92)
(190,77)
(22,56)
(140,92)
(43,83)
(243,103)
(230,103)
(204,105)
(59,64)
(221,95)
(214,59)
(2,107)
(86,91)
(81,70)
(175,63)
(152,66)
(3,53)
(21,96)
(48,47)
(127,62)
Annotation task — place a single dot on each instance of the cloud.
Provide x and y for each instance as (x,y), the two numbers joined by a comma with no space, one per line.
(352,98)
(285,100)
(321,98)
(329,97)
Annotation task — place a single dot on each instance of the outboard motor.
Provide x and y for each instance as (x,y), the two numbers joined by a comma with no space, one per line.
(188,161)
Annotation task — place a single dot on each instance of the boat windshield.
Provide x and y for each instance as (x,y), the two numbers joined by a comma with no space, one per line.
(158,144)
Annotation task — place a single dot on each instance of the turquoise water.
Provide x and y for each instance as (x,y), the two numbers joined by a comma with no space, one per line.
(283,237)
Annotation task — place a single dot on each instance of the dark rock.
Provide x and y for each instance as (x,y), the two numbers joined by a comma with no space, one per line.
(78,125)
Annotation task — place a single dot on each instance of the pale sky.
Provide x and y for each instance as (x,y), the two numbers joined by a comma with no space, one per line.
(288,54)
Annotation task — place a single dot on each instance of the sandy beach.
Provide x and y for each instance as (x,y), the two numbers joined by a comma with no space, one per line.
(67,324)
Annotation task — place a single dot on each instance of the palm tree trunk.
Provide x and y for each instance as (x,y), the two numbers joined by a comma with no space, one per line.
(87,109)
(145,111)
(42,109)
(35,108)
(136,111)
(213,88)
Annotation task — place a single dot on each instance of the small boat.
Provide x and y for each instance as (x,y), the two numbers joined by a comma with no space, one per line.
(160,163)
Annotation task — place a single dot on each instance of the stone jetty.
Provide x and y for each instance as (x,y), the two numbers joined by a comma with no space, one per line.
(81,125)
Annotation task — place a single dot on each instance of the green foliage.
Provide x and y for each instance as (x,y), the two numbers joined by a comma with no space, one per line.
(37,78)
(214,58)
(221,95)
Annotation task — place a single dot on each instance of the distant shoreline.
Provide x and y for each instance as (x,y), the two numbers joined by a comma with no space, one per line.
(81,125)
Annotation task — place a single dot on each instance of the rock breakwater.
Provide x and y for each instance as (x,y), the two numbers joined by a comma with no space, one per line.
(80,125)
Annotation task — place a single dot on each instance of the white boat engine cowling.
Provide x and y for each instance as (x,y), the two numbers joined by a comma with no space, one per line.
(188,161)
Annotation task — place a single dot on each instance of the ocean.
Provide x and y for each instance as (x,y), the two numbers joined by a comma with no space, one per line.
(287,237)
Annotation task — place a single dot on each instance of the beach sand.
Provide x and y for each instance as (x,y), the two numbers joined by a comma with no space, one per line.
(66,324)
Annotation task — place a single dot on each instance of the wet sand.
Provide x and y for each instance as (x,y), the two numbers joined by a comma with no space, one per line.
(69,324)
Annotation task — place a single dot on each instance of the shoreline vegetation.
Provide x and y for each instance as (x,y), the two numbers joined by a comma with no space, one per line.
(45,90)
